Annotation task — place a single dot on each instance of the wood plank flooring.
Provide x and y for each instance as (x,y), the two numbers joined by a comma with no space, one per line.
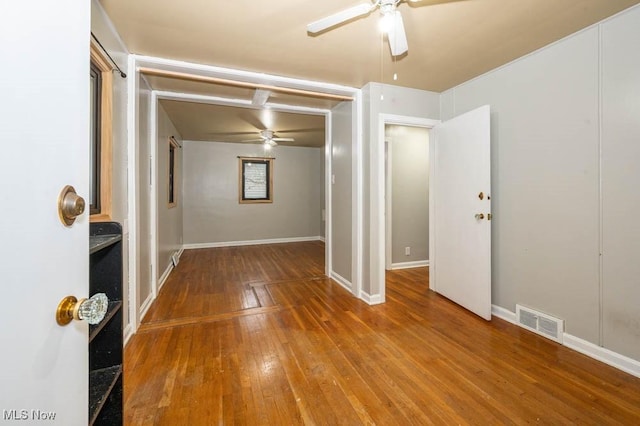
(257,336)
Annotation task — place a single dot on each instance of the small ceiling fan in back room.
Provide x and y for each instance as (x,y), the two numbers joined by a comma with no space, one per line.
(391,22)
(268,137)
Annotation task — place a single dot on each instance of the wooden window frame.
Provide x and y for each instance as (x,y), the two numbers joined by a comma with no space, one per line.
(106,131)
(241,196)
(172,198)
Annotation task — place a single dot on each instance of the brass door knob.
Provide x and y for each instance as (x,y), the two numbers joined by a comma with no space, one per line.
(70,205)
(92,310)
(479,216)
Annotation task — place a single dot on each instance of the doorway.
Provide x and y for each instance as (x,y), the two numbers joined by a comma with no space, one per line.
(378,237)
(297,208)
(406,196)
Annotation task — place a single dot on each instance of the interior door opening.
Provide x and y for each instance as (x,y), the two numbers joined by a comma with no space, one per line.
(254,123)
(406,196)
(379,235)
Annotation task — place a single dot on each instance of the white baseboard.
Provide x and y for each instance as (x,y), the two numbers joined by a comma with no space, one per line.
(164,276)
(180,251)
(346,284)
(321,238)
(374,299)
(614,359)
(126,334)
(502,313)
(144,308)
(407,265)
(609,357)
(250,242)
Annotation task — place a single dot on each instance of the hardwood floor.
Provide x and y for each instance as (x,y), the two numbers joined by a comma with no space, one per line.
(256,335)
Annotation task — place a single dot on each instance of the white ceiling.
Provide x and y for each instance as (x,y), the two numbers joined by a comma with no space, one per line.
(450,41)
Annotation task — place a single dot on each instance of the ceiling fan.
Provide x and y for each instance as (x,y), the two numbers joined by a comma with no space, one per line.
(268,137)
(391,22)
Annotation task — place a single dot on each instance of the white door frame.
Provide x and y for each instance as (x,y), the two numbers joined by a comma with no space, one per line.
(388,203)
(378,241)
(135,63)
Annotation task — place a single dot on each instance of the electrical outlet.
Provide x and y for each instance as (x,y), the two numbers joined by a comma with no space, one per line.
(407,251)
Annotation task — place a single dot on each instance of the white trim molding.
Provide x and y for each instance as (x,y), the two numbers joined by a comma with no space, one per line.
(370,299)
(344,283)
(241,75)
(250,242)
(132,184)
(607,356)
(163,277)
(127,333)
(144,308)
(502,313)
(407,265)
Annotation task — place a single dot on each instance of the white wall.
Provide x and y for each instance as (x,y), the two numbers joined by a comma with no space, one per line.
(399,101)
(212,213)
(565,121)
(104,31)
(409,165)
(169,218)
(341,190)
(620,143)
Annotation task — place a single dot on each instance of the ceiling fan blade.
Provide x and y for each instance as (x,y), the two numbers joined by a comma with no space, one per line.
(340,17)
(397,37)
(229,133)
(318,129)
(253,140)
(283,139)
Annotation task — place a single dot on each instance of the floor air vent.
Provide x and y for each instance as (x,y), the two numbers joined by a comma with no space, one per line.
(543,324)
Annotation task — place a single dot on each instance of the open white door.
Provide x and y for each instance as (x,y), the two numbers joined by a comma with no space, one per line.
(461,256)
(44,82)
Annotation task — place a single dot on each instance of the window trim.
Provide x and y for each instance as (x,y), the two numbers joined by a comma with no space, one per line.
(172,174)
(241,181)
(106,130)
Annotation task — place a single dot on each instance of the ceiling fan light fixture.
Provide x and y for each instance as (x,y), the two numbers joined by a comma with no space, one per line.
(386,22)
(390,23)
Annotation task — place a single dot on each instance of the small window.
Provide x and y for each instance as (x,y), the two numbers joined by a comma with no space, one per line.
(100,90)
(256,180)
(173,144)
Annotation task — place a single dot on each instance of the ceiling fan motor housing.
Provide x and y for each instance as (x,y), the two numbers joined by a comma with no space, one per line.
(388,6)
